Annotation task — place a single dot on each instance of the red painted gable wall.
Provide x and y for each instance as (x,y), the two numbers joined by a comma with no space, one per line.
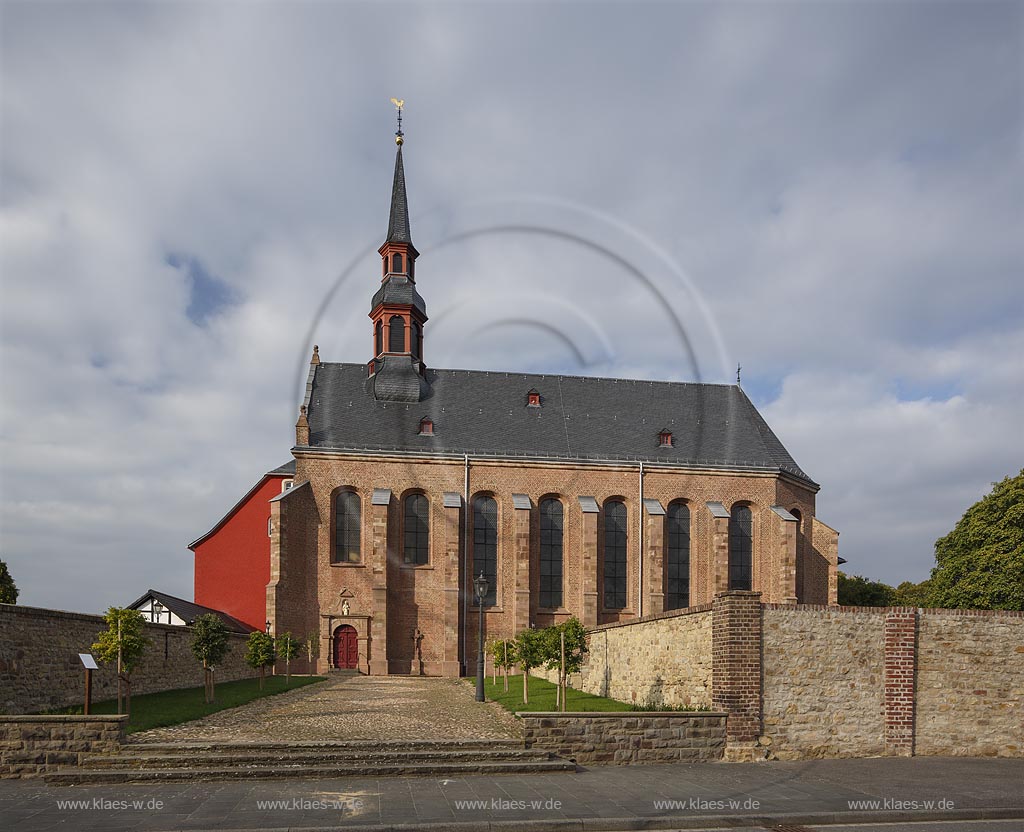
(233,564)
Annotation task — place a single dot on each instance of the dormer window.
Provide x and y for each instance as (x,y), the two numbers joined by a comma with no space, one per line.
(426,427)
(533,399)
(665,439)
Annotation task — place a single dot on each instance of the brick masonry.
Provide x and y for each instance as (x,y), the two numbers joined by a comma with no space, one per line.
(627,738)
(31,745)
(409,608)
(40,668)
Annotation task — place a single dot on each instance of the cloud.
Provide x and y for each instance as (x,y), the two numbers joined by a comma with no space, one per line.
(184,183)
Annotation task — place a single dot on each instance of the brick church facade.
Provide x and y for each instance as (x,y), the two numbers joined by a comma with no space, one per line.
(601,498)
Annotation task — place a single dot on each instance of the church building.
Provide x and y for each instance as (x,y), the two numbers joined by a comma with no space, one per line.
(606,499)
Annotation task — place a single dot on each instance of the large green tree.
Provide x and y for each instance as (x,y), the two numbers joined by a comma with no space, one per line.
(857,591)
(8,590)
(980,564)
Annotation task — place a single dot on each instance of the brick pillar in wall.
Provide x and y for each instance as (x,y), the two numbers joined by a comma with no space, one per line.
(379,628)
(654,557)
(588,560)
(900,671)
(736,669)
(521,535)
(450,665)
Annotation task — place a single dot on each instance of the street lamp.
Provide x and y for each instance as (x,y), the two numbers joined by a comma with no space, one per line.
(268,626)
(158,612)
(481,586)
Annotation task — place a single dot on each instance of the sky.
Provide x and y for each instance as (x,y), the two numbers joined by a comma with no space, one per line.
(192,194)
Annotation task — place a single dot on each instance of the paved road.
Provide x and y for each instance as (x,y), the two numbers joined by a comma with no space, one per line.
(811,792)
(354,708)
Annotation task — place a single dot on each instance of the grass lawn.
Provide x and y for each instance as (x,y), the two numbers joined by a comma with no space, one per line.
(171,707)
(542,696)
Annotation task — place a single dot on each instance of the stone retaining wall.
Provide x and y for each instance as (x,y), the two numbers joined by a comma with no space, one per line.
(660,659)
(40,668)
(31,745)
(630,737)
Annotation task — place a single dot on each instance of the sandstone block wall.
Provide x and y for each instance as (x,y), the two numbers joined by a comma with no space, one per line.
(627,738)
(40,668)
(659,660)
(970,683)
(32,745)
(822,683)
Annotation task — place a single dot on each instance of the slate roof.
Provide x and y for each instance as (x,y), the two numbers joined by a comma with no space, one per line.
(582,418)
(188,611)
(288,469)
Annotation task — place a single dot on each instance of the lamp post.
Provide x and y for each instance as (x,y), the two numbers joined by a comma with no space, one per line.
(268,627)
(158,612)
(481,586)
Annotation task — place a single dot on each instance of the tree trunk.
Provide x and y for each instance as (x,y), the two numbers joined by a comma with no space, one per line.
(213,685)
(526,688)
(263,671)
(287,671)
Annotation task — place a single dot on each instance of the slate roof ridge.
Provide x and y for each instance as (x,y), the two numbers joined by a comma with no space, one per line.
(562,376)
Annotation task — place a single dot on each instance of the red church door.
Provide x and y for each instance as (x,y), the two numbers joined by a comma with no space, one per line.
(346,648)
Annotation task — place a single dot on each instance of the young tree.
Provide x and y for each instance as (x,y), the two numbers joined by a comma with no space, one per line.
(502,652)
(209,645)
(259,653)
(529,653)
(980,564)
(576,649)
(287,648)
(123,643)
(8,589)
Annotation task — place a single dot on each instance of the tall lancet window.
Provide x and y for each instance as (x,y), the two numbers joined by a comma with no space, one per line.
(677,562)
(485,545)
(551,554)
(741,547)
(396,334)
(614,555)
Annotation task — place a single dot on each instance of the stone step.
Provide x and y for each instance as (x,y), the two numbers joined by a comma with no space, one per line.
(193,746)
(312,757)
(86,776)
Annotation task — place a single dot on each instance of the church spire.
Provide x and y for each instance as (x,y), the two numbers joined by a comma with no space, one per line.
(398,222)
(397,371)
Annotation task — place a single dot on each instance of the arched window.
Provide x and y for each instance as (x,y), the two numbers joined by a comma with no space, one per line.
(417,529)
(417,339)
(551,526)
(677,561)
(378,338)
(396,334)
(347,525)
(485,545)
(741,545)
(614,555)
(396,263)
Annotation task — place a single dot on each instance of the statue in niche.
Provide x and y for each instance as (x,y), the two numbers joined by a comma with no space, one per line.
(344,607)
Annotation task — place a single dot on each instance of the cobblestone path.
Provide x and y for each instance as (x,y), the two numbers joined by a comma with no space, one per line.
(353,708)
